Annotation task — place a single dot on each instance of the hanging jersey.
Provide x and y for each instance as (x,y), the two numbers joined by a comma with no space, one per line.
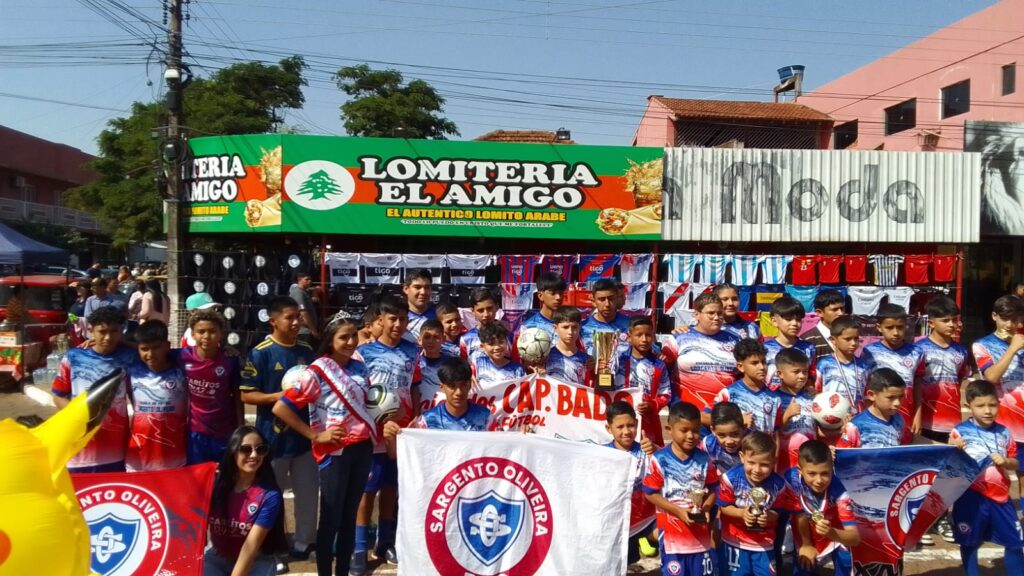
(856,268)
(941,372)
(79,369)
(381,268)
(517,269)
(158,427)
(869,431)
(636,296)
(804,270)
(597,266)
(866,299)
(263,371)
(712,268)
(762,405)
(635,268)
(745,294)
(981,444)
(560,265)
(942,267)
(734,490)
(773,347)
(705,365)
(916,268)
(675,480)
(744,269)
(987,352)
(682,266)
(487,372)
(804,295)
(905,361)
(676,295)
(468,268)
(887,268)
(766,295)
(517,296)
(848,379)
(742,329)
(723,459)
(835,503)
(774,268)
(434,264)
(569,369)
(828,269)
(900,296)
(475,419)
(212,393)
(798,430)
(342,267)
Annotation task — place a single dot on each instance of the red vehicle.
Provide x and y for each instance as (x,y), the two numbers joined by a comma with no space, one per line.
(46,299)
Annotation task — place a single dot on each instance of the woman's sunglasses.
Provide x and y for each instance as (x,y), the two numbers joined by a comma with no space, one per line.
(260,450)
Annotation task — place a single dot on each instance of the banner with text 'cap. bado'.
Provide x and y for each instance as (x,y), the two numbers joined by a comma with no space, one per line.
(492,503)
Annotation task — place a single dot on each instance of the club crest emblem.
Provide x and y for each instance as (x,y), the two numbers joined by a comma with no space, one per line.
(128,528)
(490,524)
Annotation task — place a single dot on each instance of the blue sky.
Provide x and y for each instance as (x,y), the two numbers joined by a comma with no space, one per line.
(587,65)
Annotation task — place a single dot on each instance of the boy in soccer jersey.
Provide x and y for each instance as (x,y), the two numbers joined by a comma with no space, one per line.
(842,371)
(677,474)
(703,358)
(621,423)
(80,368)
(494,364)
(214,405)
(371,329)
(795,398)
(159,396)
(828,305)
(985,511)
(292,456)
(606,316)
(826,527)
(550,290)
(944,366)
(760,406)
(451,321)
(418,288)
(895,351)
(1000,358)
(392,362)
(432,344)
(880,425)
(484,306)
(641,368)
(566,362)
(727,432)
(787,315)
(750,498)
(455,412)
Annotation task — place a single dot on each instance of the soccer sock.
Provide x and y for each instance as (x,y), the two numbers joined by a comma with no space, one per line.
(386,533)
(1014,561)
(362,538)
(969,556)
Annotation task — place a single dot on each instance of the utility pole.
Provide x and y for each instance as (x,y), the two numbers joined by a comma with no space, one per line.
(173,153)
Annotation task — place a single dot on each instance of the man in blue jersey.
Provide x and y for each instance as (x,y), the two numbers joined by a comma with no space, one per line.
(418,287)
(606,317)
(550,290)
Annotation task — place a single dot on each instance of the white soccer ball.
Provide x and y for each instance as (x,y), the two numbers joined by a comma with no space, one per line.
(830,409)
(533,344)
(291,377)
(381,402)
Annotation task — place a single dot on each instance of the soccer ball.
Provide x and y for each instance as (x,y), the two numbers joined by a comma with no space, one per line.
(291,377)
(533,344)
(830,409)
(381,402)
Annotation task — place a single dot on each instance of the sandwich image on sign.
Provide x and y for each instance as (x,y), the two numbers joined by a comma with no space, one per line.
(644,182)
(260,213)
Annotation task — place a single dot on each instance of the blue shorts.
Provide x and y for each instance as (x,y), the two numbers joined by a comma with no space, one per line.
(383,473)
(977,519)
(99,468)
(203,448)
(842,563)
(696,564)
(738,562)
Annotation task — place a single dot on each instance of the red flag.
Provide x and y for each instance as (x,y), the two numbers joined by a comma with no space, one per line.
(147,523)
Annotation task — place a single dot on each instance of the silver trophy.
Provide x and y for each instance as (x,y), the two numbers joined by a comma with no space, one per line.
(758,497)
(697,500)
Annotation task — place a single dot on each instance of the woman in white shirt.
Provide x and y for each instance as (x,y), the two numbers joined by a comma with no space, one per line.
(155,305)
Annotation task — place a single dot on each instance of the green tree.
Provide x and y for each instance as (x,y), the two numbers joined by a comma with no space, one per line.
(319,185)
(246,98)
(381,103)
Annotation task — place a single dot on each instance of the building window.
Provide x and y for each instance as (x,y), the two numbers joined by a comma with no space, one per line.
(956,99)
(900,117)
(1009,78)
(845,135)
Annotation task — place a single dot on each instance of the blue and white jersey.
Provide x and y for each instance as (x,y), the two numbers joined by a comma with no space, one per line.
(569,369)
(906,360)
(848,379)
(988,350)
(439,418)
(682,266)
(395,368)
(538,320)
(416,320)
(712,268)
(675,480)
(742,329)
(744,269)
(869,431)
(487,372)
(942,370)
(649,373)
(802,423)
(620,325)
(774,347)
(775,269)
(428,372)
(451,349)
(763,405)
(723,459)
(980,445)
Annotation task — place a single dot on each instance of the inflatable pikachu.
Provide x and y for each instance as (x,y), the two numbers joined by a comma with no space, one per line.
(41,526)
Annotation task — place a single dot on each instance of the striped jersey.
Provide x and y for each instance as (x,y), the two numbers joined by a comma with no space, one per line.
(560,265)
(682,266)
(887,268)
(381,268)
(517,269)
(597,266)
(744,269)
(774,268)
(712,268)
(635,268)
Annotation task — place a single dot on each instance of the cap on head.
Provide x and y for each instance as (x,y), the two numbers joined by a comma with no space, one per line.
(200,301)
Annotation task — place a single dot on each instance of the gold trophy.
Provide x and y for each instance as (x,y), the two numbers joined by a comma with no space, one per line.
(817,516)
(604,347)
(758,496)
(697,500)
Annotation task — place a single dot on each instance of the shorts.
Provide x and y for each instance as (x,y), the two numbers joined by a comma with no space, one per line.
(738,562)
(934,435)
(696,564)
(383,473)
(842,563)
(204,448)
(99,468)
(1020,466)
(977,519)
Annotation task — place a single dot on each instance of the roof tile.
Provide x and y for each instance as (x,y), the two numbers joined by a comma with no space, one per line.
(731,110)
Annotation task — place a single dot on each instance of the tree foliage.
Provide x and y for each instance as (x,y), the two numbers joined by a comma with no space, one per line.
(246,98)
(382,103)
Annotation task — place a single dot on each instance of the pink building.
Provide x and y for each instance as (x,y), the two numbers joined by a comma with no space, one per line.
(919,97)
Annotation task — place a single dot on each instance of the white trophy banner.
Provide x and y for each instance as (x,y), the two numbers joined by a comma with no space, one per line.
(490,504)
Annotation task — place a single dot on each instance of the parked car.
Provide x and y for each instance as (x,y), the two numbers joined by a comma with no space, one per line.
(62,271)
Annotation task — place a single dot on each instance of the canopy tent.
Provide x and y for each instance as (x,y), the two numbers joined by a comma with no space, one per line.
(18,249)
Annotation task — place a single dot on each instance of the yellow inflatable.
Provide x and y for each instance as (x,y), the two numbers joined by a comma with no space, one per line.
(41,526)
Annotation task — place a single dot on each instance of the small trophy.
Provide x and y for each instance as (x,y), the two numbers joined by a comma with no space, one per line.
(758,496)
(697,499)
(605,342)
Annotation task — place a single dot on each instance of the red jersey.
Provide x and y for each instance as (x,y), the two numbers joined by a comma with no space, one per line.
(734,490)
(675,479)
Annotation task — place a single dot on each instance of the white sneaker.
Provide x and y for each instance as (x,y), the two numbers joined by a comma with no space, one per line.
(927,540)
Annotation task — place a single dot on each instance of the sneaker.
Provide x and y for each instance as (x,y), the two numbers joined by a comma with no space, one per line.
(646,549)
(303,555)
(391,556)
(282,567)
(927,540)
(357,564)
(945,530)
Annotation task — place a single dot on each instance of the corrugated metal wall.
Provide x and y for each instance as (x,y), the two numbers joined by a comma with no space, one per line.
(752,195)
